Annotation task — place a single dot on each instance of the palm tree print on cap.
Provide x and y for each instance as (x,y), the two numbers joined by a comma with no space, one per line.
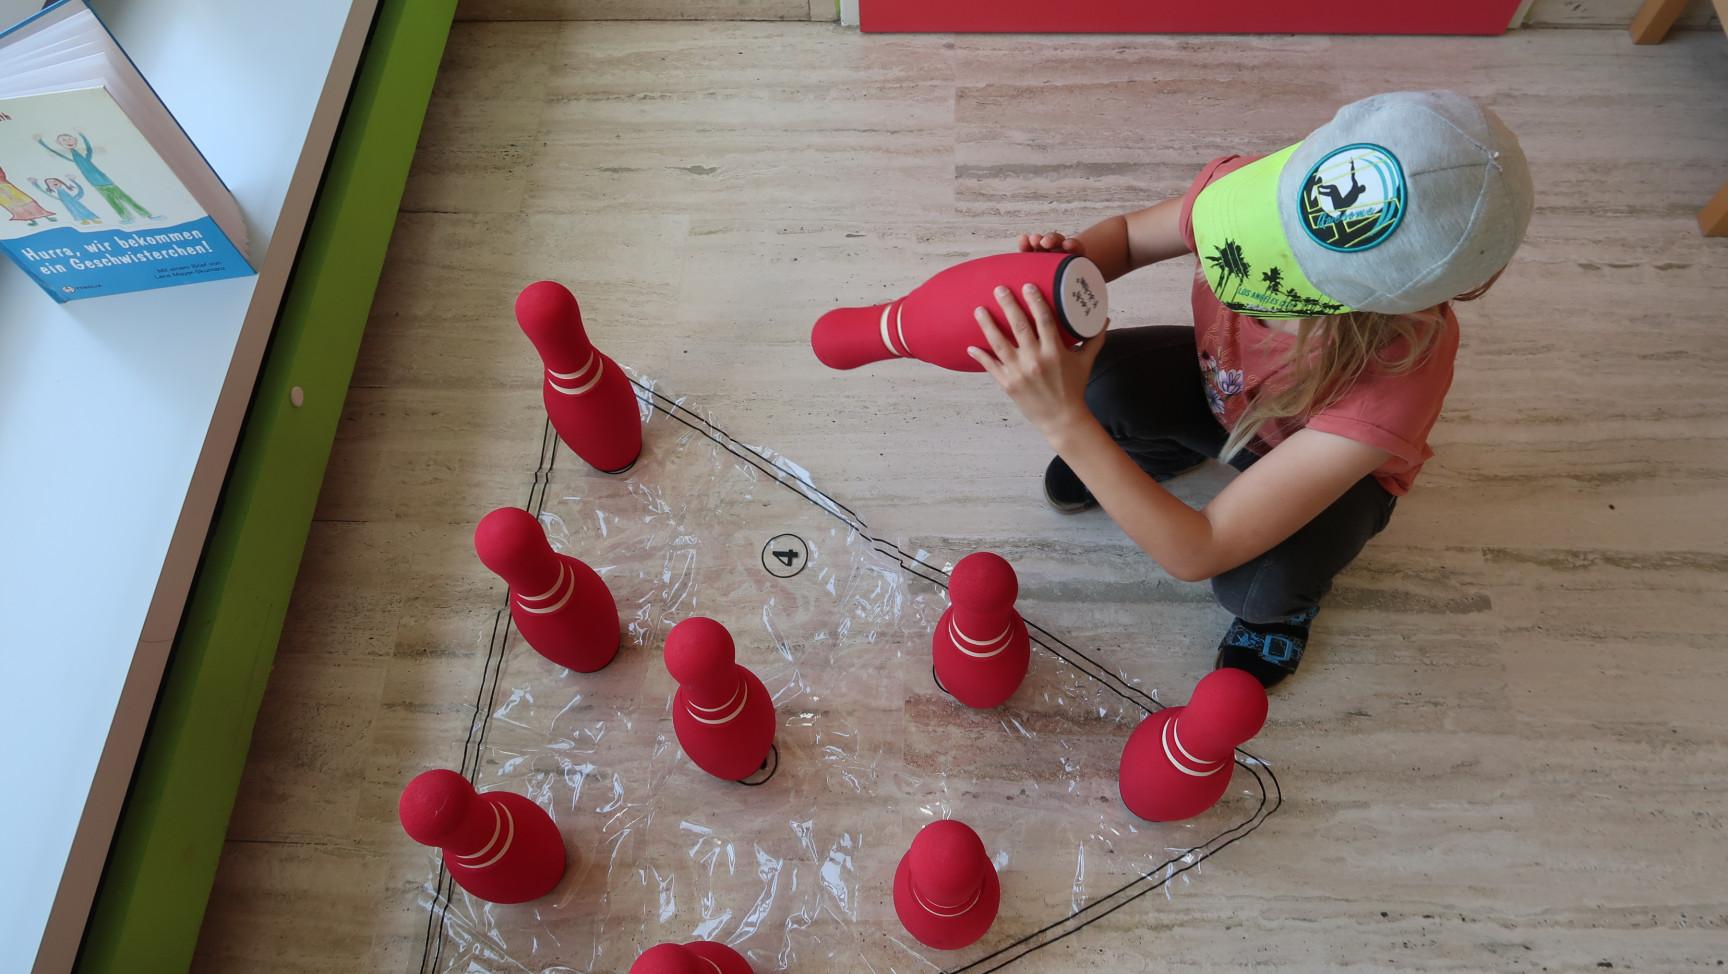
(1230,263)
(1274,279)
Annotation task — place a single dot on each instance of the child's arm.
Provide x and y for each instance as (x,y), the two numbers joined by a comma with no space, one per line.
(1122,243)
(1280,493)
(52,149)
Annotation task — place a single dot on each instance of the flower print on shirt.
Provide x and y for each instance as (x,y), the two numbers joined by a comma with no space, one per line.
(1214,401)
(1222,383)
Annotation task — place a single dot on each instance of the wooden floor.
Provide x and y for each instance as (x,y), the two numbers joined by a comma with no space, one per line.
(1507,749)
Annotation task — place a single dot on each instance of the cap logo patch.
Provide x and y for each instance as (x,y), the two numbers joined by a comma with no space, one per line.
(1353,198)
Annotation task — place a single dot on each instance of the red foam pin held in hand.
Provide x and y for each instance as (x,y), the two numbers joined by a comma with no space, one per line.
(497,845)
(935,322)
(589,399)
(561,607)
(722,713)
(980,646)
(1179,760)
(946,890)
(696,957)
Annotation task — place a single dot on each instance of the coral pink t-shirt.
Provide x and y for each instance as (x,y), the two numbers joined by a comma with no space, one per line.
(1238,354)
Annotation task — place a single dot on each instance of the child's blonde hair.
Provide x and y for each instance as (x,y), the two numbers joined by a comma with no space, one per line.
(1329,354)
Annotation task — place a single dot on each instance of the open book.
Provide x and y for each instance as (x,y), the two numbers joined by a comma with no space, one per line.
(101,192)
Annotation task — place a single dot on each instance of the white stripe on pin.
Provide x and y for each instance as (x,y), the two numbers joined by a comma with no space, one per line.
(1000,641)
(1167,737)
(886,341)
(509,837)
(543,596)
(742,695)
(497,827)
(564,575)
(933,911)
(593,359)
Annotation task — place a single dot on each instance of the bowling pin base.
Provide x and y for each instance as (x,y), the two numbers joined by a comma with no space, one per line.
(609,659)
(1158,789)
(770,764)
(938,680)
(624,469)
(558,605)
(946,929)
(559,661)
(523,879)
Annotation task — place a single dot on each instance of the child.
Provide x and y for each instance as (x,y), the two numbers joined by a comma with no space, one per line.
(1321,352)
(70,195)
(124,206)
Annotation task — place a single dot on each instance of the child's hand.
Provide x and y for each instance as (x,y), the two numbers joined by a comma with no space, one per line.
(1044,377)
(1052,241)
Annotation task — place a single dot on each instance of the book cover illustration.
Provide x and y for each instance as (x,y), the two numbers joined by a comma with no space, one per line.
(88,208)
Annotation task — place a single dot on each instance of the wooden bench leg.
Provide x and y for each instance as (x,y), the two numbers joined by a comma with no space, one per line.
(1654,19)
(1713,218)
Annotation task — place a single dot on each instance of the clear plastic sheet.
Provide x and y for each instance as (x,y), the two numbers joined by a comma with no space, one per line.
(795,873)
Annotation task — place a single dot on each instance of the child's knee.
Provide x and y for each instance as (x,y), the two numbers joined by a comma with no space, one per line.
(1255,594)
(1106,387)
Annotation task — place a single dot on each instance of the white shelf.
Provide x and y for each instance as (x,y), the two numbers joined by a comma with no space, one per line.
(118,416)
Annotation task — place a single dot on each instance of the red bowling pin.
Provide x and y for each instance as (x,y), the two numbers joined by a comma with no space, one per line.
(498,845)
(1179,760)
(560,606)
(696,957)
(589,399)
(946,890)
(722,713)
(934,323)
(980,645)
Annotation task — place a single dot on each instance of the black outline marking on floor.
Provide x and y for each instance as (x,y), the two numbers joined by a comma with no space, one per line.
(804,555)
(1044,936)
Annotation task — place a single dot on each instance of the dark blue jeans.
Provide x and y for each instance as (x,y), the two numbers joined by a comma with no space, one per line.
(1146,390)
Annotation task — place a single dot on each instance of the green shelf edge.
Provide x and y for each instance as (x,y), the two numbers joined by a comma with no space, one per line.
(157,881)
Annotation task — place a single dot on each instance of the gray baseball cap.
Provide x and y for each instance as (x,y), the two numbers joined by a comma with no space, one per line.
(1404,200)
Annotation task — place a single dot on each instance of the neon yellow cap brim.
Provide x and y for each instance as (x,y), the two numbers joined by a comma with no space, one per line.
(1243,250)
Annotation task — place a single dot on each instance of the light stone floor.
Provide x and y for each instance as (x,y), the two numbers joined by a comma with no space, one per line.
(1508,748)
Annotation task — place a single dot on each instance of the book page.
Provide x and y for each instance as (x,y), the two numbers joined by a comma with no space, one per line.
(70,38)
(84,72)
(88,207)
